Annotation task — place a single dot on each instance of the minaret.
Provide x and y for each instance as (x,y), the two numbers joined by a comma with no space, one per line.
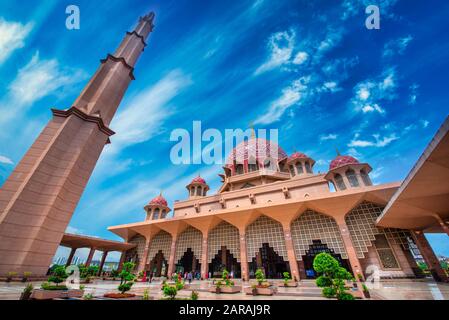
(38,199)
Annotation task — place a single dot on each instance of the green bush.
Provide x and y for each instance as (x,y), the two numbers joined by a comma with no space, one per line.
(286,277)
(260,276)
(58,275)
(194,295)
(126,277)
(331,277)
(170,292)
(146,294)
(48,286)
(88,296)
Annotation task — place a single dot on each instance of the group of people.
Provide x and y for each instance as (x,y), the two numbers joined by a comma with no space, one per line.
(188,276)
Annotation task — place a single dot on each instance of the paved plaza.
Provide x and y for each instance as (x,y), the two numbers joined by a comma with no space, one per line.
(388,290)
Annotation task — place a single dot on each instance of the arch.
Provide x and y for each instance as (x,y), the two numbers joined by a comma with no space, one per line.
(239,168)
(252,164)
(156,213)
(190,238)
(339,182)
(265,230)
(135,254)
(270,164)
(161,242)
(299,168)
(292,170)
(311,226)
(224,234)
(308,167)
(352,178)
(199,191)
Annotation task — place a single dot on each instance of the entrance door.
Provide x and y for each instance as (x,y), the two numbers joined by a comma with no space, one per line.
(224,259)
(188,262)
(270,262)
(158,265)
(316,248)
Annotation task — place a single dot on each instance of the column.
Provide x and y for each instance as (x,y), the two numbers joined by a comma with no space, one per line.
(291,255)
(171,261)
(103,259)
(204,264)
(243,256)
(143,260)
(70,258)
(122,260)
(429,256)
(352,255)
(90,256)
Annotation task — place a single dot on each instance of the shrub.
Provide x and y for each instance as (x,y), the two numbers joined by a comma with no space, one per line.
(286,277)
(170,292)
(88,296)
(28,288)
(194,295)
(48,286)
(260,276)
(218,284)
(27,274)
(58,276)
(332,277)
(114,273)
(126,277)
(146,295)
(82,287)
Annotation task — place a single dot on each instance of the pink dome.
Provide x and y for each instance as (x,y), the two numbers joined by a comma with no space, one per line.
(340,161)
(159,201)
(198,180)
(297,155)
(257,148)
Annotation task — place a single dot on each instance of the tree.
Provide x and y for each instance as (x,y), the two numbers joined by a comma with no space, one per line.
(260,276)
(58,275)
(286,277)
(331,277)
(126,277)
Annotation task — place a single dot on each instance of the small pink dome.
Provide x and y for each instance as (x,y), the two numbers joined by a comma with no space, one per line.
(255,147)
(198,180)
(340,161)
(297,155)
(159,201)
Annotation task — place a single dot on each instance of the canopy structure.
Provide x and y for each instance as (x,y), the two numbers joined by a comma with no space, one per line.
(422,200)
(81,241)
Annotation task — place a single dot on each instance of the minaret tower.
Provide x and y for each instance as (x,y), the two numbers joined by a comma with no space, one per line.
(38,199)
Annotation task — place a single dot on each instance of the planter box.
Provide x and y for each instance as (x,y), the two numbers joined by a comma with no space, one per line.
(226,289)
(40,294)
(290,283)
(261,291)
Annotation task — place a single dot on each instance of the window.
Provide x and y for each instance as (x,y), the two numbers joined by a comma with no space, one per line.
(239,169)
(163,214)
(252,164)
(386,255)
(339,181)
(352,177)
(156,214)
(269,164)
(204,192)
(308,167)
(192,191)
(198,191)
(299,168)
(292,170)
(365,178)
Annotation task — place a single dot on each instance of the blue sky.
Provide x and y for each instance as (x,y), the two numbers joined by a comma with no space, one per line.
(308,68)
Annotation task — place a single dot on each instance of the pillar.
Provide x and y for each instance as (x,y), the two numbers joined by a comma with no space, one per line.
(122,260)
(171,260)
(291,254)
(103,259)
(204,264)
(143,260)
(70,258)
(352,255)
(429,256)
(90,256)
(243,256)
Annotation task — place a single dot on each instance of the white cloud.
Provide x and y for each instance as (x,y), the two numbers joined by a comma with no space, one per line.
(369,93)
(12,37)
(353,152)
(378,141)
(413,93)
(280,45)
(330,136)
(146,112)
(397,46)
(376,173)
(5,160)
(424,123)
(73,230)
(290,96)
(322,162)
(330,86)
(300,57)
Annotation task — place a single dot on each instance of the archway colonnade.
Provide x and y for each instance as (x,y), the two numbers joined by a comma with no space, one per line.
(288,232)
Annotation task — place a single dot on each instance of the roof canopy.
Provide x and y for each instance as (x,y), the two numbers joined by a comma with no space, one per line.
(79,241)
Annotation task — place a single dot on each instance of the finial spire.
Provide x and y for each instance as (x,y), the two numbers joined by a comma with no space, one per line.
(338,152)
(253,132)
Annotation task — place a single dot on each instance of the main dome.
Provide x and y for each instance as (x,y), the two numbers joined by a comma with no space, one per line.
(297,155)
(257,148)
(198,180)
(340,161)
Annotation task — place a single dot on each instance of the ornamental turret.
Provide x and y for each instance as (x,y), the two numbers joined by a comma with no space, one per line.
(299,164)
(197,188)
(157,208)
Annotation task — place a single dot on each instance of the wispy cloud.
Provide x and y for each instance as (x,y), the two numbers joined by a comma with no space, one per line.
(5,160)
(397,46)
(147,111)
(290,97)
(369,94)
(331,136)
(12,37)
(413,93)
(378,141)
(280,46)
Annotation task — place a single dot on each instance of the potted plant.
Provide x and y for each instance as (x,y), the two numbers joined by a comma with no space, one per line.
(126,282)
(366,291)
(26,293)
(254,290)
(225,285)
(262,287)
(10,275)
(288,281)
(26,275)
(53,288)
(218,285)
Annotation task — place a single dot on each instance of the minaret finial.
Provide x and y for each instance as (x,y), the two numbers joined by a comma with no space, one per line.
(253,132)
(338,152)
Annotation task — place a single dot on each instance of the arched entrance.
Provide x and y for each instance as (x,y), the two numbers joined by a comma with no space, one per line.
(224,259)
(188,263)
(159,265)
(270,262)
(266,248)
(318,247)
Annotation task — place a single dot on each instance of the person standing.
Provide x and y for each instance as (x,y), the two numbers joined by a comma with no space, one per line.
(189,277)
